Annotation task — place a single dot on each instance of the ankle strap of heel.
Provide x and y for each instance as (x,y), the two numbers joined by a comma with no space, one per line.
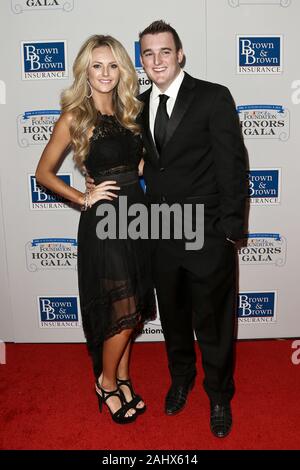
(106,394)
(128,384)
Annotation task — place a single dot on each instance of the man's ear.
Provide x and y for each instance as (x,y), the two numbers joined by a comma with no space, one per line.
(180,56)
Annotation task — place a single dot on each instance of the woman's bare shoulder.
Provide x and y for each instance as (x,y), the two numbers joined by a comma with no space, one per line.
(67,118)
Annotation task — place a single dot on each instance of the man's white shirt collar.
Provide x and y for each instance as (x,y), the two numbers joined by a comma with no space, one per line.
(173,89)
(172,92)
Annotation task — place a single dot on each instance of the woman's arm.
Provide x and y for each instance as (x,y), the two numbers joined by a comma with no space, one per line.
(51,157)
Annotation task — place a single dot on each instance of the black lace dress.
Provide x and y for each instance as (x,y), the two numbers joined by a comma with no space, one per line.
(114,275)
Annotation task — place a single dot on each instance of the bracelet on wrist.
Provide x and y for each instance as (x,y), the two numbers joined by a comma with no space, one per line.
(86,201)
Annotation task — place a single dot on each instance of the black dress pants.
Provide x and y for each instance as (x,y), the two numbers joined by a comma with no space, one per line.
(196,291)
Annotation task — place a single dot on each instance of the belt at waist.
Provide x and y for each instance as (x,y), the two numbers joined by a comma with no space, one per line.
(122,175)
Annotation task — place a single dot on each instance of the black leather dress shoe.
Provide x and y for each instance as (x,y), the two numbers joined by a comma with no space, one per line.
(220,419)
(176,397)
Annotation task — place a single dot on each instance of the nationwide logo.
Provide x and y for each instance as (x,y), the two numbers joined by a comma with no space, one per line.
(264,186)
(143,184)
(144,81)
(58,312)
(264,121)
(42,198)
(20,6)
(51,253)
(263,248)
(152,331)
(36,127)
(44,60)
(259,54)
(257,307)
(237,3)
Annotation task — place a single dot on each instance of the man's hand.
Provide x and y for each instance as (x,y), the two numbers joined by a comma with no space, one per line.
(141,167)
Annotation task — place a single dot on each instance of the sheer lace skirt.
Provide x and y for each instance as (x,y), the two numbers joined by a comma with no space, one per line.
(114,277)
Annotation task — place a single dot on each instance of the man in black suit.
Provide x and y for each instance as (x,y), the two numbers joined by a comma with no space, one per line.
(194,154)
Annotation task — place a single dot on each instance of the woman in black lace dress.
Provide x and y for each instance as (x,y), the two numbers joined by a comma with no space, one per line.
(98,120)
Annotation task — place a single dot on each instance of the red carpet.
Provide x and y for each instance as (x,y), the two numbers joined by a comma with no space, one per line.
(48,401)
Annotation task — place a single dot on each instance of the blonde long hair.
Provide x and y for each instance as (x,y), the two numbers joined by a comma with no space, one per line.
(75,98)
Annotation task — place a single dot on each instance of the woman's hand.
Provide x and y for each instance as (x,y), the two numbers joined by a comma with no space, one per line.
(102,191)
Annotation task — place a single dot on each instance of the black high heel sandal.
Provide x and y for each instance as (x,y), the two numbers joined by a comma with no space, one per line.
(135,398)
(119,416)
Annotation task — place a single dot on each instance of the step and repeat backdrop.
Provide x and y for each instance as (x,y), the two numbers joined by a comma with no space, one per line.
(250,46)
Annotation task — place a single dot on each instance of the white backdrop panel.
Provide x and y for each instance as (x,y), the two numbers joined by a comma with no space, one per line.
(39,244)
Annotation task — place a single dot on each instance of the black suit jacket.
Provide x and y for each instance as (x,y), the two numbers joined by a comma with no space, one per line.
(203,157)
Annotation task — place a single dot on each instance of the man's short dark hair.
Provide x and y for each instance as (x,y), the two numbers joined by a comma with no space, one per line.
(161,26)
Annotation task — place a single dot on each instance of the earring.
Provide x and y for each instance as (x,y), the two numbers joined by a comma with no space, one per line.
(91,90)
